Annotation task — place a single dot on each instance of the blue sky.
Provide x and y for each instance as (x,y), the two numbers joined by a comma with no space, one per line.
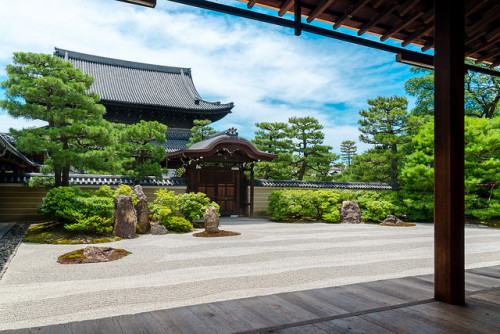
(268,72)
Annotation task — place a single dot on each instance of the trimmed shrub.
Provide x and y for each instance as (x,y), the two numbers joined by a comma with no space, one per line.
(322,205)
(166,204)
(193,205)
(177,224)
(309,205)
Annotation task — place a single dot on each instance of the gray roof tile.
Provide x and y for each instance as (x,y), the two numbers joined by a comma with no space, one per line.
(144,84)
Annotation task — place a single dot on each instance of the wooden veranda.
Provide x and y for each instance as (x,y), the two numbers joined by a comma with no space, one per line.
(455,29)
(402,305)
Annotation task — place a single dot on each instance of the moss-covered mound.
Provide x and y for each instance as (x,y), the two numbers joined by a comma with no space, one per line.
(92,254)
(393,224)
(55,233)
(221,233)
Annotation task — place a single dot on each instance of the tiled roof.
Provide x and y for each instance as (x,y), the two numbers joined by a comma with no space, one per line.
(177,139)
(91,179)
(322,184)
(142,84)
(8,143)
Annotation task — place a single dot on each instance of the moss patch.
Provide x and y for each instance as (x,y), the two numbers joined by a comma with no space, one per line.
(77,256)
(392,224)
(221,233)
(54,233)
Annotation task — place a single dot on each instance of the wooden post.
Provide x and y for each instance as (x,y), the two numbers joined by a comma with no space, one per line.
(252,184)
(449,267)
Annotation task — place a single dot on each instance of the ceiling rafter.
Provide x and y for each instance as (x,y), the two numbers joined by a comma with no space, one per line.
(251,3)
(350,13)
(286,7)
(486,19)
(319,10)
(376,19)
(418,34)
(402,25)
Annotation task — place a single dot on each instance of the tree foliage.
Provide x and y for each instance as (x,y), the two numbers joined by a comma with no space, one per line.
(348,150)
(139,150)
(44,87)
(274,138)
(300,149)
(482,93)
(386,125)
(200,131)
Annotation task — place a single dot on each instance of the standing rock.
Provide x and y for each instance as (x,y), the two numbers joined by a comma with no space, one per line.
(142,211)
(158,228)
(125,217)
(212,220)
(350,213)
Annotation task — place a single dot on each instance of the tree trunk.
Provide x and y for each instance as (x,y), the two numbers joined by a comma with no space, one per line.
(57,176)
(65,176)
(394,168)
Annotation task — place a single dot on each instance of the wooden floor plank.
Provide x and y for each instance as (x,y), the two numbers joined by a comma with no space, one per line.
(351,325)
(490,296)
(488,271)
(469,315)
(442,324)
(214,317)
(84,327)
(107,325)
(307,329)
(485,282)
(326,297)
(244,314)
(308,303)
(166,322)
(128,324)
(400,289)
(187,323)
(294,312)
(148,323)
(399,323)
(272,316)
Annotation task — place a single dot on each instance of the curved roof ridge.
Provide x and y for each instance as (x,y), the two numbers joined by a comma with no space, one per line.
(62,53)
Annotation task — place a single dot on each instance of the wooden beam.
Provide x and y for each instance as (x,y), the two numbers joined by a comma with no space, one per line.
(319,10)
(473,6)
(424,31)
(487,56)
(490,15)
(286,7)
(251,3)
(349,13)
(406,7)
(252,190)
(493,36)
(376,19)
(428,45)
(449,263)
(400,26)
(297,17)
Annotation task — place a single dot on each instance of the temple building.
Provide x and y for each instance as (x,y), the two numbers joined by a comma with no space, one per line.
(133,91)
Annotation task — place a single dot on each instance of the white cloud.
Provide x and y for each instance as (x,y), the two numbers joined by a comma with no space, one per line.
(7,122)
(232,59)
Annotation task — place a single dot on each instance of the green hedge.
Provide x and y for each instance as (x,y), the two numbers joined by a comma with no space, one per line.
(322,205)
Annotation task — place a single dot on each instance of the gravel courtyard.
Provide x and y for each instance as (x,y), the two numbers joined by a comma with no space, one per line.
(177,269)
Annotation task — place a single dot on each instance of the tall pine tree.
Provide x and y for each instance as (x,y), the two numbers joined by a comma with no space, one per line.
(44,87)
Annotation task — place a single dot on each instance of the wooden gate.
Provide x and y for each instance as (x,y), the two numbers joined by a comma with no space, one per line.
(221,185)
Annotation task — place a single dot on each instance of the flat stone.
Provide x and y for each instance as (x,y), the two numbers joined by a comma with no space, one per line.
(158,229)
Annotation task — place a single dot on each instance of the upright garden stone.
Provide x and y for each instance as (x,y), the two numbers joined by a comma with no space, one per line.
(350,213)
(142,210)
(125,217)
(212,220)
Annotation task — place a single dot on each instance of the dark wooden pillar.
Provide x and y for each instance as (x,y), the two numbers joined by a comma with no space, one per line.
(252,185)
(449,152)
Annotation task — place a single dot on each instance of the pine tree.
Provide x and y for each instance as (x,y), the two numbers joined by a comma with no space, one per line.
(385,124)
(200,131)
(44,87)
(348,149)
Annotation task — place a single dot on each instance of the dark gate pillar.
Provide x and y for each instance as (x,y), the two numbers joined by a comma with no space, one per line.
(449,68)
(252,186)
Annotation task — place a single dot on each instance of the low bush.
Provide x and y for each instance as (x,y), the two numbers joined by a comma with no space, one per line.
(193,205)
(81,211)
(177,224)
(322,205)
(189,206)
